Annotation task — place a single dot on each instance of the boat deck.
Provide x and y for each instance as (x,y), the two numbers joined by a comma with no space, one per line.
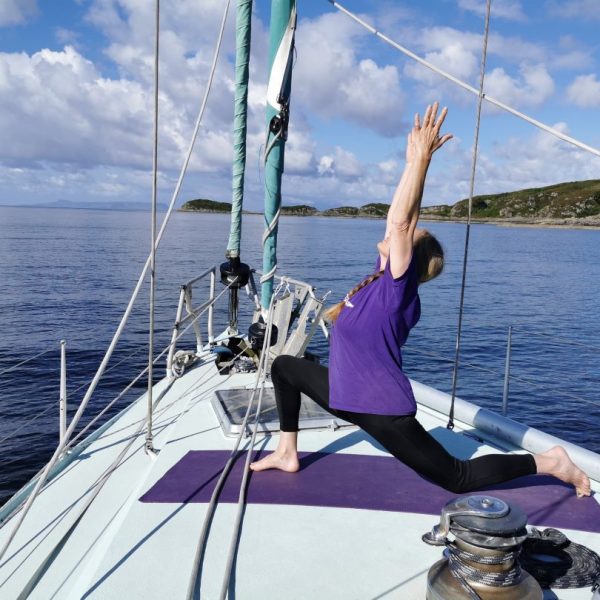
(348,525)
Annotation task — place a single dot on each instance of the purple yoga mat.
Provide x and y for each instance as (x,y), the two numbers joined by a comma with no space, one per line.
(364,482)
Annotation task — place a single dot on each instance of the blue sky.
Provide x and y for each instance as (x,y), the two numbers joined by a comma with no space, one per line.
(76,98)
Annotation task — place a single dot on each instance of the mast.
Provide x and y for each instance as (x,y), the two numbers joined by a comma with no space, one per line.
(234,273)
(243,30)
(283,25)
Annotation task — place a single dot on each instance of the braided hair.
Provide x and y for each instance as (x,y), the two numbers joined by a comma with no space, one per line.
(331,314)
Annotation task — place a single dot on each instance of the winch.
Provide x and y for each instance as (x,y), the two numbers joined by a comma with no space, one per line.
(481,561)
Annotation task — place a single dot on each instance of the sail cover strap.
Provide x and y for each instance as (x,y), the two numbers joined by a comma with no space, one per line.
(242,62)
(283,27)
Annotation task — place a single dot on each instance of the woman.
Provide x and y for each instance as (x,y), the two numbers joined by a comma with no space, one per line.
(365,384)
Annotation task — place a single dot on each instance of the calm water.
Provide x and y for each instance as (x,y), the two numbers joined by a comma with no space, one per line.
(69,273)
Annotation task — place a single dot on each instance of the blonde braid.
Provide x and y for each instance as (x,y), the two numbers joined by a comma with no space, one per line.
(331,314)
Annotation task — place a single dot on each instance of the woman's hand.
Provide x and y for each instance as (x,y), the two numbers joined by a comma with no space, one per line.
(424,138)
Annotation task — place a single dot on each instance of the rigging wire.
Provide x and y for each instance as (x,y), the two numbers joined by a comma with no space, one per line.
(149,444)
(462,84)
(450,424)
(260,377)
(194,582)
(119,396)
(59,450)
(522,380)
(19,364)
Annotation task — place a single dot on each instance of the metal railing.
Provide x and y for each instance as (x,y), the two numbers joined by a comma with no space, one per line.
(506,375)
(186,301)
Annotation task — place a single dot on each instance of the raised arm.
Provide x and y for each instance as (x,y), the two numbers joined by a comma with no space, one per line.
(423,140)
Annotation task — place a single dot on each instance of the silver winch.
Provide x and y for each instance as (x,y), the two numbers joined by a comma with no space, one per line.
(480,557)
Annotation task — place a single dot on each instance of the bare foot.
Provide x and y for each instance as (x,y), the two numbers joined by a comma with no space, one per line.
(557,462)
(284,461)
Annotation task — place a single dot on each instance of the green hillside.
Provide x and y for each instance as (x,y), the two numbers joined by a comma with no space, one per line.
(301,210)
(576,202)
(578,199)
(203,205)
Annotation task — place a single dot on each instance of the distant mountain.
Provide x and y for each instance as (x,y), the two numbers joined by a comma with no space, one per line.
(113,205)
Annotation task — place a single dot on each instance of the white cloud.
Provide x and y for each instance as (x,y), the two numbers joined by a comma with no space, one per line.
(341,163)
(511,10)
(531,88)
(534,161)
(57,108)
(585,91)
(17,12)
(584,10)
(453,57)
(66,36)
(509,48)
(332,82)
(459,53)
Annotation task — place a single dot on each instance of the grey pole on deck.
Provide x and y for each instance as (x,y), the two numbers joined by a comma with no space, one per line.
(507,372)
(62,402)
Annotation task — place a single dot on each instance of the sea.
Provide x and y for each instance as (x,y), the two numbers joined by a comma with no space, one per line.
(67,274)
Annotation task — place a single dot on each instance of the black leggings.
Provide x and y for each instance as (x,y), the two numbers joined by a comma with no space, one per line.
(403,436)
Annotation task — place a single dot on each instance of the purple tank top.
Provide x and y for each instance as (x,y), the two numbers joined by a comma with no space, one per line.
(365,363)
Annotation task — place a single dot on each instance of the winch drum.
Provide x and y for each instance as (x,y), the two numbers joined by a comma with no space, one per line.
(488,534)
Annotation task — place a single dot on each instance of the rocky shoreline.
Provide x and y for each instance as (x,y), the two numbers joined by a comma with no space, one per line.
(566,223)
(569,205)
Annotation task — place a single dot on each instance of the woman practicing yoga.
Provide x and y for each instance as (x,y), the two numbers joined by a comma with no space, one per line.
(365,384)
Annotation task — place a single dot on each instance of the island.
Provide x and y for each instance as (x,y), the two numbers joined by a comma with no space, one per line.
(574,204)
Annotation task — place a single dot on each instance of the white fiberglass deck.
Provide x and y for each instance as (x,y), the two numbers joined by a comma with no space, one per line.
(127,548)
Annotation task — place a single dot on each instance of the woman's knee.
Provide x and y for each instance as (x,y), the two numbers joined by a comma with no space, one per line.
(280,366)
(455,480)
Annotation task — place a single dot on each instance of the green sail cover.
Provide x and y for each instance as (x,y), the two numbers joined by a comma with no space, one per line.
(242,61)
(283,22)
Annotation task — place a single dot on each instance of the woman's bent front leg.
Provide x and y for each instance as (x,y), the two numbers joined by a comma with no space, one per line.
(291,377)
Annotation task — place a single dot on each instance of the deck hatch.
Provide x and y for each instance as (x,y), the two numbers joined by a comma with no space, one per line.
(230,407)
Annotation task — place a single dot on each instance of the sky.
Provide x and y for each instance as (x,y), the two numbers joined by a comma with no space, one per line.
(76,98)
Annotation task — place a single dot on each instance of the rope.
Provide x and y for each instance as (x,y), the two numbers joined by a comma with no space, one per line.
(450,424)
(270,228)
(96,488)
(14,432)
(26,361)
(466,86)
(149,445)
(139,376)
(59,450)
(144,371)
(458,563)
(210,509)
(66,443)
(260,380)
(572,565)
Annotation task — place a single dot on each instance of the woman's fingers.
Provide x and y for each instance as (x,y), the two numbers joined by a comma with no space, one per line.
(433,115)
(441,118)
(443,140)
(426,116)
(427,131)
